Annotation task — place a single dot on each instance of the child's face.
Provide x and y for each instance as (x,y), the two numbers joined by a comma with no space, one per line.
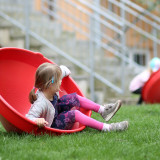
(59,84)
(56,87)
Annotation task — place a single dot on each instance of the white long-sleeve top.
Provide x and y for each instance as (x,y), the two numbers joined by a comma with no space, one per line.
(139,80)
(41,108)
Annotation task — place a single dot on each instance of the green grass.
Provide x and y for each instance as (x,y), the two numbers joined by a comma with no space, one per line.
(140,141)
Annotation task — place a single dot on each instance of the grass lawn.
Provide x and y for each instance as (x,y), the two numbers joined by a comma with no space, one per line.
(140,141)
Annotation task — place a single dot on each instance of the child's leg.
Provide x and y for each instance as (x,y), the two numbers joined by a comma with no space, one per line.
(139,91)
(107,111)
(88,104)
(90,122)
(140,100)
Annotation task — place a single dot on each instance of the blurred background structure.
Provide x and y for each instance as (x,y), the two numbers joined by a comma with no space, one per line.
(105,43)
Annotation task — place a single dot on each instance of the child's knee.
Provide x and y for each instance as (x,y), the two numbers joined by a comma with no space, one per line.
(76,111)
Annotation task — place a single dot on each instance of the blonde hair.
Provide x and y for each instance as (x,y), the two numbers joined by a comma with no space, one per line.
(43,77)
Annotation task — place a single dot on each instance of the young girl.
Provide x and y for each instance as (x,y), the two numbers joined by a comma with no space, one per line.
(138,82)
(49,110)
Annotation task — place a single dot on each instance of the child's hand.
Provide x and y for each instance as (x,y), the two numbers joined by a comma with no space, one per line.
(65,71)
(41,122)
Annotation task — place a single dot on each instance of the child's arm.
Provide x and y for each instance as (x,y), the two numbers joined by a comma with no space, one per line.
(65,71)
(35,113)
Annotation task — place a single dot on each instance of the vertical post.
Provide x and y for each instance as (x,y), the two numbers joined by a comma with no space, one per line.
(97,24)
(91,57)
(123,42)
(27,24)
(155,43)
(110,6)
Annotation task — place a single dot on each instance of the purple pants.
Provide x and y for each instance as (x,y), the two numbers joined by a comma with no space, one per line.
(64,116)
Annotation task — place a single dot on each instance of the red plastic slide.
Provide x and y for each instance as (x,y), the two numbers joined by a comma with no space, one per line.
(17,70)
(151,90)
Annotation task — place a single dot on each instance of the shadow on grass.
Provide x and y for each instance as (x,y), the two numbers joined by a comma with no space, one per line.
(12,134)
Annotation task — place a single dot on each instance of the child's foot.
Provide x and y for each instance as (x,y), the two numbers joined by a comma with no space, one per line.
(110,110)
(119,126)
